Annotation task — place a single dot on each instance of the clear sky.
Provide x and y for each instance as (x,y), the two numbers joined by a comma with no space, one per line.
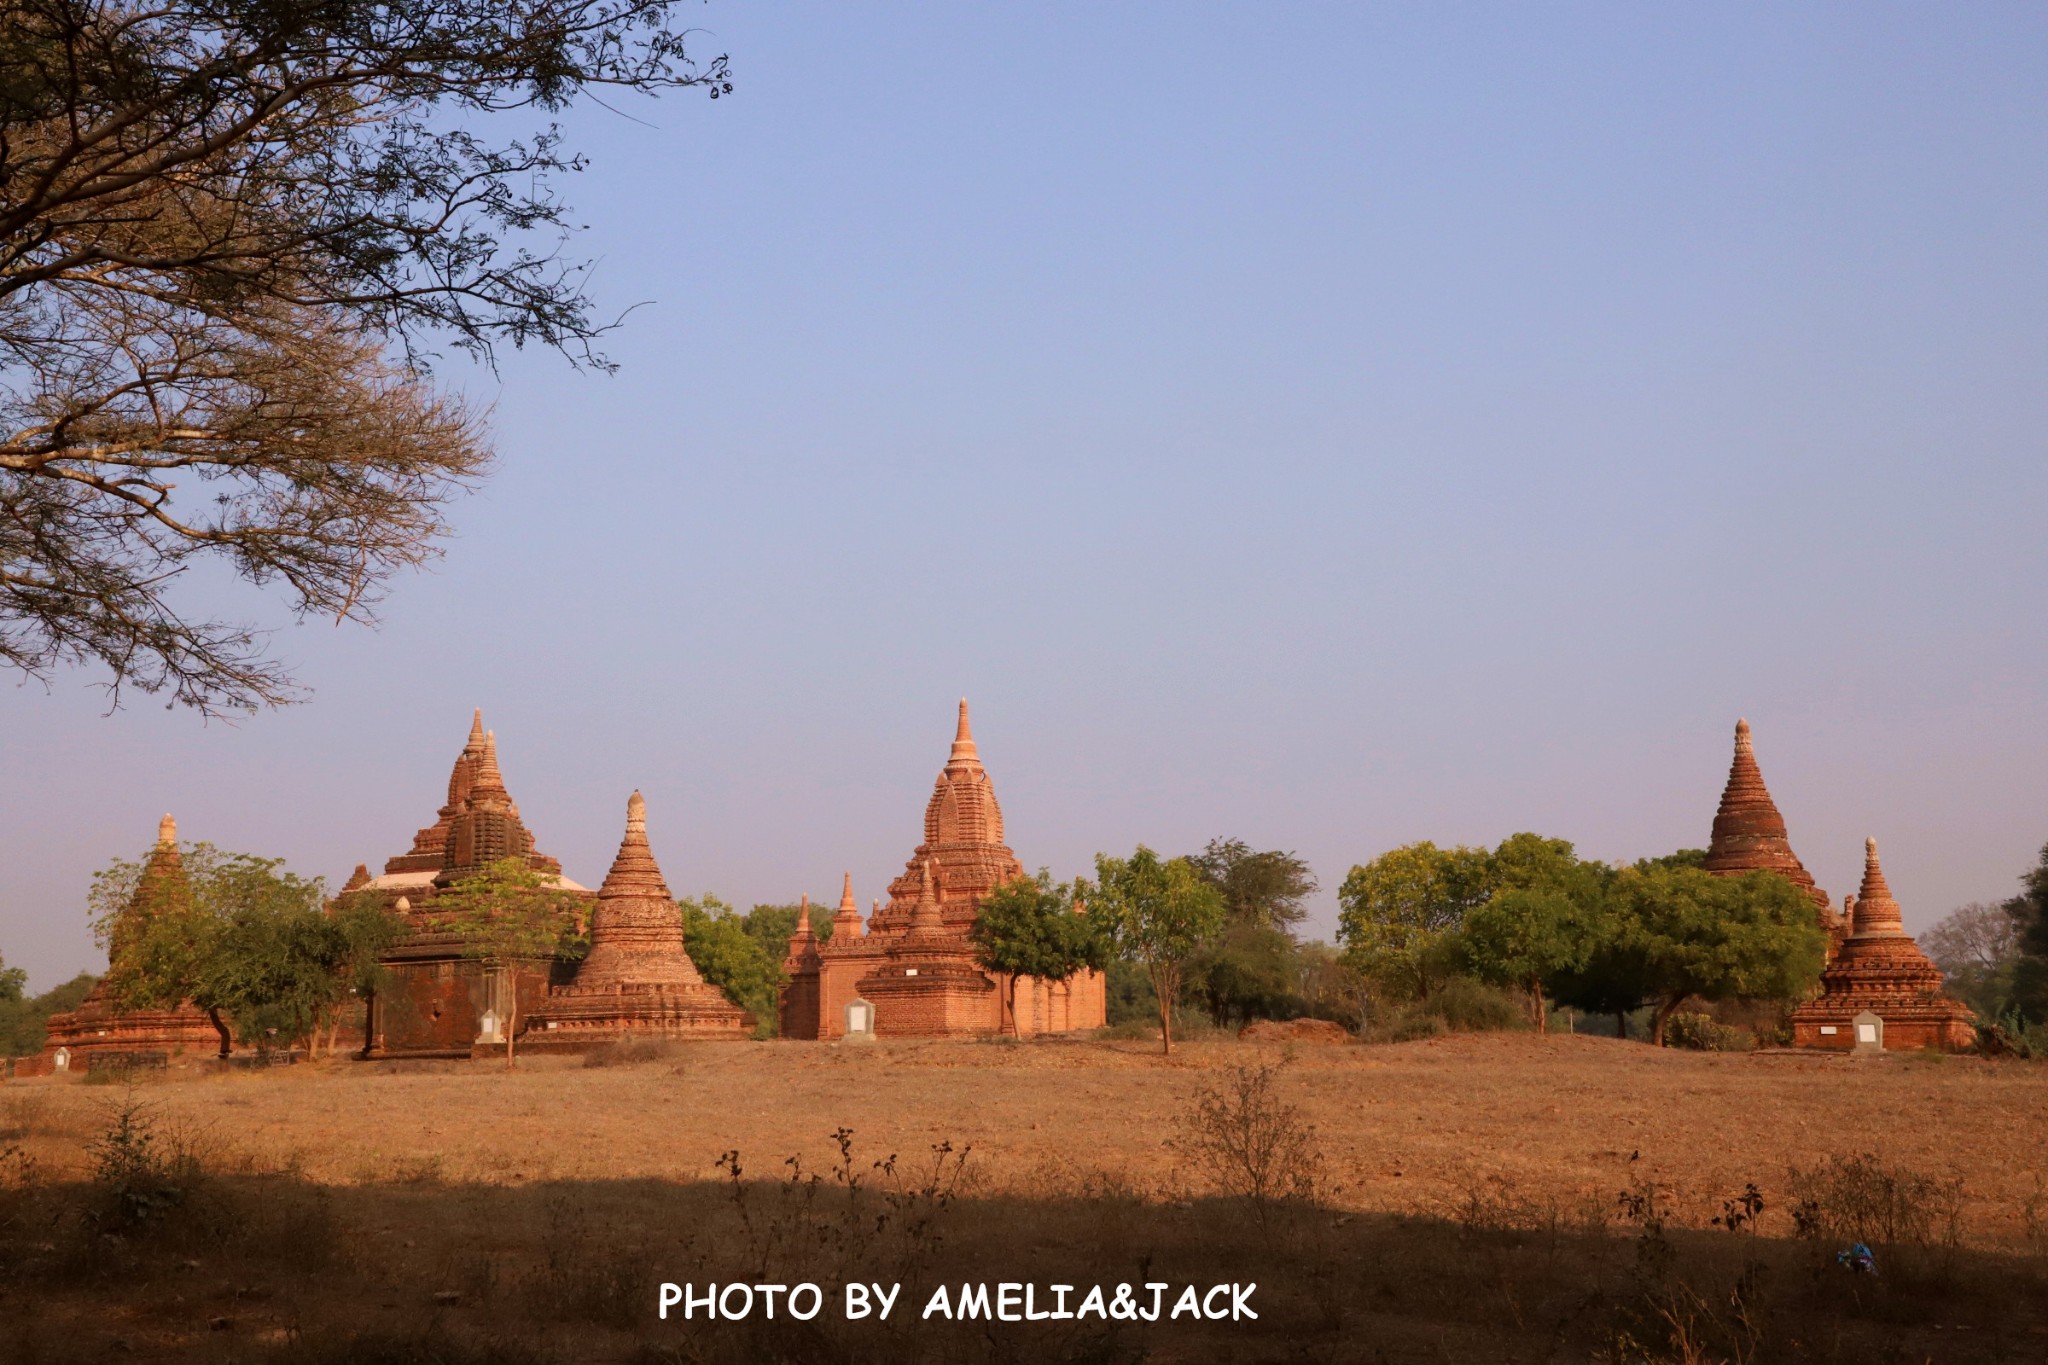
(1331,426)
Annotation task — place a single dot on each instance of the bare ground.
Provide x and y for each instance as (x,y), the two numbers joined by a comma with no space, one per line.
(1468,1202)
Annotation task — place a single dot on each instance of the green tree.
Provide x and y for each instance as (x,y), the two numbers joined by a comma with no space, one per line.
(2029,910)
(1545,918)
(1029,927)
(1718,938)
(771,925)
(509,915)
(1528,937)
(199,937)
(739,962)
(230,237)
(1398,912)
(1266,889)
(24,1022)
(13,982)
(364,928)
(1248,971)
(1158,912)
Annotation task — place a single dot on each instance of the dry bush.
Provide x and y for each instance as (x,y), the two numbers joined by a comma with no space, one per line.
(1860,1199)
(1242,1139)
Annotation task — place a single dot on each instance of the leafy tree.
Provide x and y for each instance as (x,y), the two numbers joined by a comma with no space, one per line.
(771,925)
(1248,971)
(1029,927)
(163,934)
(229,235)
(13,981)
(363,929)
(1398,912)
(1529,937)
(272,961)
(1266,889)
(1977,947)
(2029,910)
(1158,912)
(1718,938)
(24,1022)
(1545,919)
(508,914)
(731,957)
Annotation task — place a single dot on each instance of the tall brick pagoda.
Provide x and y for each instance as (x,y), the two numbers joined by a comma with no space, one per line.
(1879,970)
(638,980)
(913,961)
(100,1031)
(1749,835)
(442,1002)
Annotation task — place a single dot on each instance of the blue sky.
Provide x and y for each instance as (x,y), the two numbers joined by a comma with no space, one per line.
(1327,425)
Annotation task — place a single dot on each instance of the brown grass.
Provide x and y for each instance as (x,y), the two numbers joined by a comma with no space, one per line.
(1465,1203)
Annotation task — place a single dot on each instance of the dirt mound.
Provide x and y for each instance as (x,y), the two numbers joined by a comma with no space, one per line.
(1294,1031)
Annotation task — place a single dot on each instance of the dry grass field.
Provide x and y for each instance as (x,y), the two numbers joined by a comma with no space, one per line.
(1460,1198)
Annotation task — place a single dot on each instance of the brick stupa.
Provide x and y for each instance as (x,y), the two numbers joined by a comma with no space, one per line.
(914,961)
(442,1002)
(100,1031)
(1749,836)
(1880,969)
(638,980)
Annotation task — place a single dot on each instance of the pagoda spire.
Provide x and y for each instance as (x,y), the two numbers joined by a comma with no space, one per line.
(1749,833)
(167,830)
(489,781)
(1876,914)
(846,923)
(964,754)
(924,916)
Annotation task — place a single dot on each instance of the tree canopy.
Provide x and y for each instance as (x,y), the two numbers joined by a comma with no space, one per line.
(1028,927)
(1398,912)
(509,914)
(230,237)
(1261,888)
(1158,912)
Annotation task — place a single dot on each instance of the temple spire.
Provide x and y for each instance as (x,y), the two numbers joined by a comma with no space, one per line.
(803,933)
(964,754)
(1749,833)
(488,779)
(167,830)
(925,916)
(1876,914)
(476,731)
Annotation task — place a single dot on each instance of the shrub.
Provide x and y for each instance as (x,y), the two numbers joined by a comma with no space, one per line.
(1703,1033)
(139,1174)
(1247,1141)
(1469,1006)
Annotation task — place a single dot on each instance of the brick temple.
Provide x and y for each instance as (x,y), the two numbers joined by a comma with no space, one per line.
(442,1002)
(912,963)
(637,980)
(100,1032)
(1749,836)
(1880,990)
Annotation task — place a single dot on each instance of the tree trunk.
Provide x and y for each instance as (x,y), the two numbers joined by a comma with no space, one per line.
(1621,1025)
(511,1013)
(227,1040)
(1665,1009)
(369,1023)
(1166,990)
(1537,1003)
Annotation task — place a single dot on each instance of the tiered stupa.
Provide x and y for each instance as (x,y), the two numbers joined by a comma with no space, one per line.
(914,961)
(1749,835)
(443,1002)
(638,980)
(1880,970)
(101,1032)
